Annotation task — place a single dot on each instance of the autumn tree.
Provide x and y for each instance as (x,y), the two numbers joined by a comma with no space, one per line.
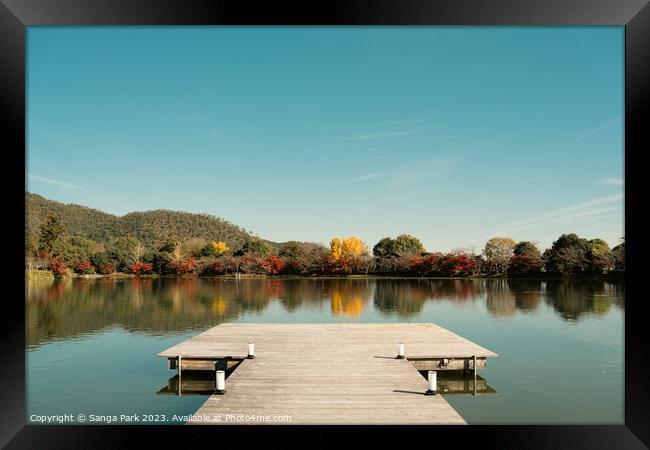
(182,266)
(59,268)
(350,246)
(459,263)
(84,267)
(272,265)
(140,268)
(347,256)
(526,258)
(336,248)
(214,249)
(498,252)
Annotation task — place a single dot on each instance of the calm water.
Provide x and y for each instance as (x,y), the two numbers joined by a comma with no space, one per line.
(92,343)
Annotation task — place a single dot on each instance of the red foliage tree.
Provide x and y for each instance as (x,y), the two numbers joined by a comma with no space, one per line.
(183,266)
(230,263)
(458,264)
(426,265)
(521,264)
(345,265)
(106,269)
(250,263)
(416,265)
(140,268)
(59,268)
(273,265)
(216,268)
(84,267)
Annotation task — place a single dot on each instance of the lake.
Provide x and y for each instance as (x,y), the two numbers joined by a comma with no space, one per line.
(92,344)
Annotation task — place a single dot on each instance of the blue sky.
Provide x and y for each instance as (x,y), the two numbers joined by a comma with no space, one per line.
(452,134)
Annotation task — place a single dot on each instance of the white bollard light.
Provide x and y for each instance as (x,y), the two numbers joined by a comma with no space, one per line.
(251,350)
(221,382)
(432,378)
(400,351)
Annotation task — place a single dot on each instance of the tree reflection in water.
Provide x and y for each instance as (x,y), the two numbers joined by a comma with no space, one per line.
(67,308)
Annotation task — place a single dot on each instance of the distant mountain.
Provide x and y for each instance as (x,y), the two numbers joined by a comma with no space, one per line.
(149,227)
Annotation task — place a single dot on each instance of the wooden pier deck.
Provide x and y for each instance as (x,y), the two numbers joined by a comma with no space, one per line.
(340,373)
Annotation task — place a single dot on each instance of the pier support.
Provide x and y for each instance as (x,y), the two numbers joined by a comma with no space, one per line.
(179,375)
(220,382)
(432,379)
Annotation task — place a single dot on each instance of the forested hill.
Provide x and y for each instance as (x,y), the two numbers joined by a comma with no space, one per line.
(149,227)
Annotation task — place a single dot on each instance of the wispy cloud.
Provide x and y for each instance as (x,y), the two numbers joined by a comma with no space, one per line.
(609,122)
(614,181)
(563,215)
(386,156)
(392,199)
(381,135)
(393,123)
(53,182)
(444,138)
(367,176)
(422,171)
(382,225)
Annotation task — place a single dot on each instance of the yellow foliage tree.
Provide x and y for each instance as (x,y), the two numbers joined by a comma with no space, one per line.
(220,247)
(336,247)
(352,246)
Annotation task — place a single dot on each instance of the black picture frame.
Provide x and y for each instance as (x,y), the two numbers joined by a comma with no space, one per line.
(16,15)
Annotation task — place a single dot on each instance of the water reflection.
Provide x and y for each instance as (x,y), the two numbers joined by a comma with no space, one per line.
(457,382)
(449,382)
(65,309)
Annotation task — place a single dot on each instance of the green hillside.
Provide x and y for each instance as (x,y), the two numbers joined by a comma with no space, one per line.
(149,227)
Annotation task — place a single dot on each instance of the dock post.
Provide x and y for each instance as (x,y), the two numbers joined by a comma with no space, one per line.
(251,350)
(432,378)
(220,382)
(400,351)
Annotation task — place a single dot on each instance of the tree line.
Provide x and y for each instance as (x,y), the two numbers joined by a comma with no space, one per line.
(56,250)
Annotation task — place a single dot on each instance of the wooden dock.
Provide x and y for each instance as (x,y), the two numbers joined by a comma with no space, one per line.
(340,373)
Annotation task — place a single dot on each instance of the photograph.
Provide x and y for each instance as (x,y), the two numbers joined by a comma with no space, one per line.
(325,224)
(321,225)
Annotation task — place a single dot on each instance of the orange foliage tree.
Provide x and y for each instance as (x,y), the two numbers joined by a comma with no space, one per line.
(139,268)
(272,265)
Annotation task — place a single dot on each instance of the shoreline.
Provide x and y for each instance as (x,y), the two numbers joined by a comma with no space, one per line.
(242,276)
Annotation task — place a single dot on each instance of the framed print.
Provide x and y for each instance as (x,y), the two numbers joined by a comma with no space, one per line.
(403,219)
